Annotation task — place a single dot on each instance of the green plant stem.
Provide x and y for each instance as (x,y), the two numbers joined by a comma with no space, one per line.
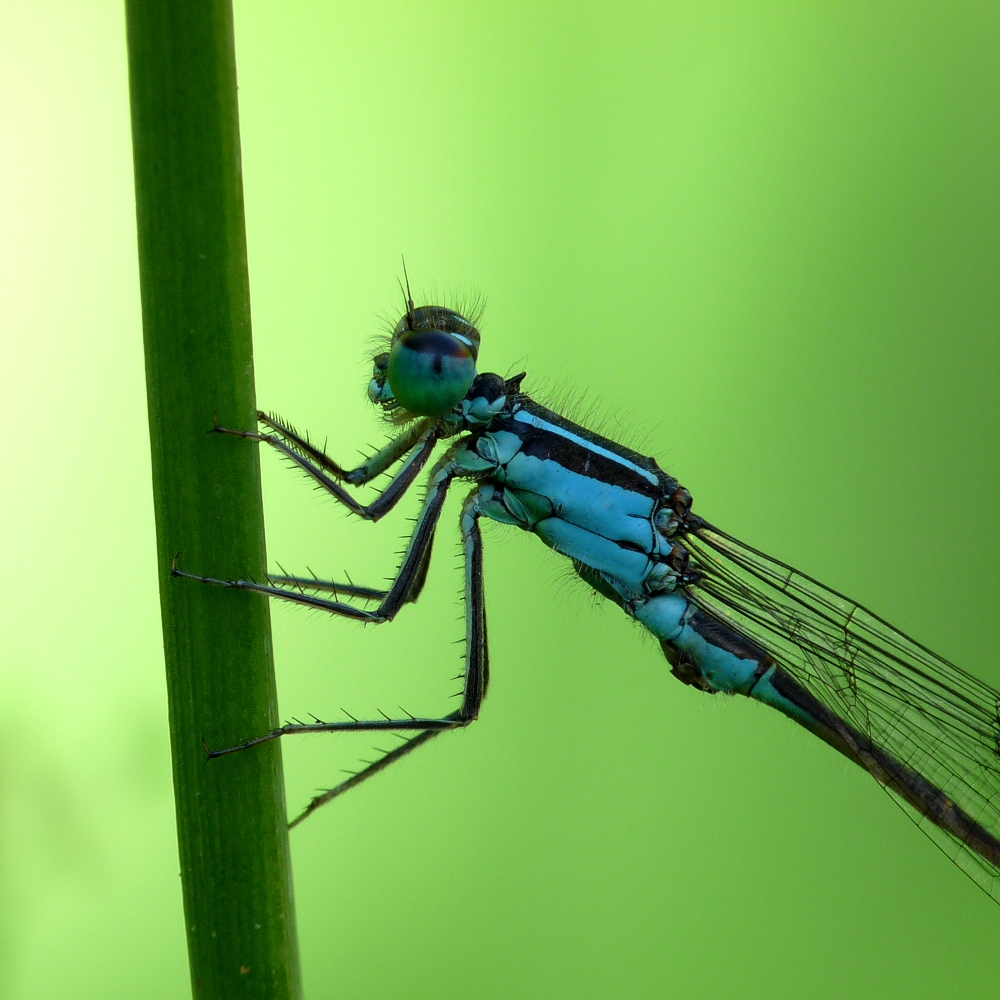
(231,819)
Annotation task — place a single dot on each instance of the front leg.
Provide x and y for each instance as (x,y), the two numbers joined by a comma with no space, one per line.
(419,441)
(371,467)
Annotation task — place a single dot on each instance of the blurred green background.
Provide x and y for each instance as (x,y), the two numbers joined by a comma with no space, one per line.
(763,237)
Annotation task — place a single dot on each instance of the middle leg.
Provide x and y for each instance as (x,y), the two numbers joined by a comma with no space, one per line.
(477,667)
(409,575)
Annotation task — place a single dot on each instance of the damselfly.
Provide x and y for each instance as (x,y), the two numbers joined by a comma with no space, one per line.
(730,619)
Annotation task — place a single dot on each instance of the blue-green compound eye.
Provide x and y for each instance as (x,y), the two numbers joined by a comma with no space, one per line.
(430,371)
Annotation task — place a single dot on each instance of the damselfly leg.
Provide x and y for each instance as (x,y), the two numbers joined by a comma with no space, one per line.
(477,667)
(327,587)
(419,441)
(406,584)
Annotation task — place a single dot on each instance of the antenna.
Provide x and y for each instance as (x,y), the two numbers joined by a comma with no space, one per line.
(410,314)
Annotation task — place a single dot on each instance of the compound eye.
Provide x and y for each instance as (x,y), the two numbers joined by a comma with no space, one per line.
(430,372)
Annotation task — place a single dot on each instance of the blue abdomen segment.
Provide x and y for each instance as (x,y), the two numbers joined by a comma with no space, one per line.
(708,654)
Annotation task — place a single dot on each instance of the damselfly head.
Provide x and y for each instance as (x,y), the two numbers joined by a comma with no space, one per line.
(430,364)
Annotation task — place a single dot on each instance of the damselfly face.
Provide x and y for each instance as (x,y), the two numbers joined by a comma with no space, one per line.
(430,364)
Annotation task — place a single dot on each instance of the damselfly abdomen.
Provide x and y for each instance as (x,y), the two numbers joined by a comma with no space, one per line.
(730,619)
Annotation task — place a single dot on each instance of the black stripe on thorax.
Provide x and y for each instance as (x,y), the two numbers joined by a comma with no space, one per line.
(611,468)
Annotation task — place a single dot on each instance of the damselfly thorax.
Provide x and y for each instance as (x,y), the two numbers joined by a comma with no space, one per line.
(606,507)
